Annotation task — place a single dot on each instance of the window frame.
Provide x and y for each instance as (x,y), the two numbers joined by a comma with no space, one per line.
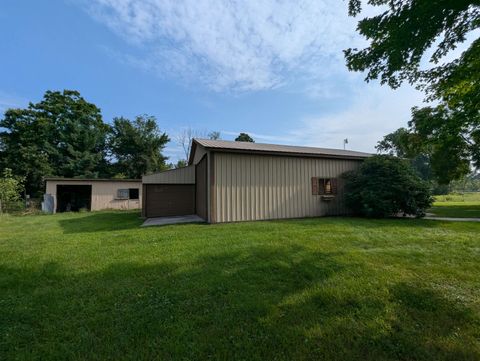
(319,186)
(125,195)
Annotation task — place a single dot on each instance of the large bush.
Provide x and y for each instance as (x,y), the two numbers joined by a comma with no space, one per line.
(385,186)
(10,189)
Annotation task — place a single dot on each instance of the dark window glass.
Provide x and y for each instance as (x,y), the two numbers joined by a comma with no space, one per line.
(133,193)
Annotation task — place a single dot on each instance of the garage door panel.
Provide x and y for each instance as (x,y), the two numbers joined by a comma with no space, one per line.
(169,200)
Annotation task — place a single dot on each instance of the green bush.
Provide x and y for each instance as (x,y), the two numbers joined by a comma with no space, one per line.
(385,186)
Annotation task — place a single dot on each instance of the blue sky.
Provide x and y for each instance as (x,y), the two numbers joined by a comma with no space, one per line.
(273,69)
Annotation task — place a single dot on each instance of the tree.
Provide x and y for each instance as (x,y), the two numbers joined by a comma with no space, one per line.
(451,128)
(185,138)
(244,137)
(181,163)
(63,135)
(214,135)
(137,146)
(404,144)
(10,189)
(385,186)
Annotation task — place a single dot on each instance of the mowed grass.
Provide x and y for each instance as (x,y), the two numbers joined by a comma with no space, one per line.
(457,206)
(95,286)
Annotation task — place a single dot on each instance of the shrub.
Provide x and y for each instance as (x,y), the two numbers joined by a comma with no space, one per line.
(10,189)
(385,186)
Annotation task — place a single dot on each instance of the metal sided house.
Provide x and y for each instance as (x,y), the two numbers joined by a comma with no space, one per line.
(228,181)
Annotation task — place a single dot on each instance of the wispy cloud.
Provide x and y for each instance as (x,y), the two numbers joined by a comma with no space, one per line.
(10,101)
(239,45)
(378,111)
(364,122)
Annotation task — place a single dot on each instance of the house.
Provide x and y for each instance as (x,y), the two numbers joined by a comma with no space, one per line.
(73,194)
(229,181)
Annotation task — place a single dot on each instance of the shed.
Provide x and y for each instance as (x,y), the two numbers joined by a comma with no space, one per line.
(73,194)
(228,181)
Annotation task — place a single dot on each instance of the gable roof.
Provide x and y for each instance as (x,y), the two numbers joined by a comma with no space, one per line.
(262,148)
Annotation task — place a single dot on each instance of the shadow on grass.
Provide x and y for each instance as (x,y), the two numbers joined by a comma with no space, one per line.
(264,304)
(101,222)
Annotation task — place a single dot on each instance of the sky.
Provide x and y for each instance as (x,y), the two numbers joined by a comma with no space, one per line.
(273,69)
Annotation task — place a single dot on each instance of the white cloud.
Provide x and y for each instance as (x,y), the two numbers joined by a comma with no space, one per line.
(374,113)
(377,112)
(239,45)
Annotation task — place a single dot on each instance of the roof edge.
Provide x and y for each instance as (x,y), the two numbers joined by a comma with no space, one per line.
(287,154)
(91,179)
(327,152)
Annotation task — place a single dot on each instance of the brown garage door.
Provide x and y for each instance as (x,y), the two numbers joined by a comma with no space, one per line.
(163,200)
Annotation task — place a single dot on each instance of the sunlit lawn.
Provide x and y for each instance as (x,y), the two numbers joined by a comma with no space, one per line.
(95,286)
(457,205)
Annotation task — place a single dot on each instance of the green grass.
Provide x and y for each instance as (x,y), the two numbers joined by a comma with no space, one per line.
(94,286)
(465,205)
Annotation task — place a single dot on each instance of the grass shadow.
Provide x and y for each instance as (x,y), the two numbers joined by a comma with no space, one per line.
(281,303)
(100,222)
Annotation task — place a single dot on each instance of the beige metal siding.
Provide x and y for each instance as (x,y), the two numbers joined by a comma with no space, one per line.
(255,187)
(200,151)
(104,193)
(185,175)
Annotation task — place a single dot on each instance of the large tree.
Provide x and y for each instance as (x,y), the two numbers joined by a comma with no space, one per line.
(400,37)
(137,145)
(244,137)
(62,135)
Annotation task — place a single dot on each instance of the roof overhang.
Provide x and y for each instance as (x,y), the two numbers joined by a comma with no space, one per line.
(226,149)
(60,179)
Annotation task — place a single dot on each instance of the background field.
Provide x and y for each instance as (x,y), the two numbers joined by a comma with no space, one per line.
(95,286)
(466,205)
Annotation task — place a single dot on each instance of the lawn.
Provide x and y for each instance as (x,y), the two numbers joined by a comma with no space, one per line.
(95,286)
(457,205)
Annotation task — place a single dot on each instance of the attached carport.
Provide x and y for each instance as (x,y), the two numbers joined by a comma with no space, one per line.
(176,192)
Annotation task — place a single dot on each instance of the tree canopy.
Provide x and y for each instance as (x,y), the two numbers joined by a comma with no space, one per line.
(137,146)
(64,135)
(244,137)
(400,38)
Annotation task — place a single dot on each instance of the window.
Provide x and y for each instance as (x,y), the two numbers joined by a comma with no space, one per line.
(122,193)
(324,186)
(131,193)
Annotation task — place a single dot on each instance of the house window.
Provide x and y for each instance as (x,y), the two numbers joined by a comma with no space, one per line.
(122,193)
(130,193)
(133,193)
(324,186)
